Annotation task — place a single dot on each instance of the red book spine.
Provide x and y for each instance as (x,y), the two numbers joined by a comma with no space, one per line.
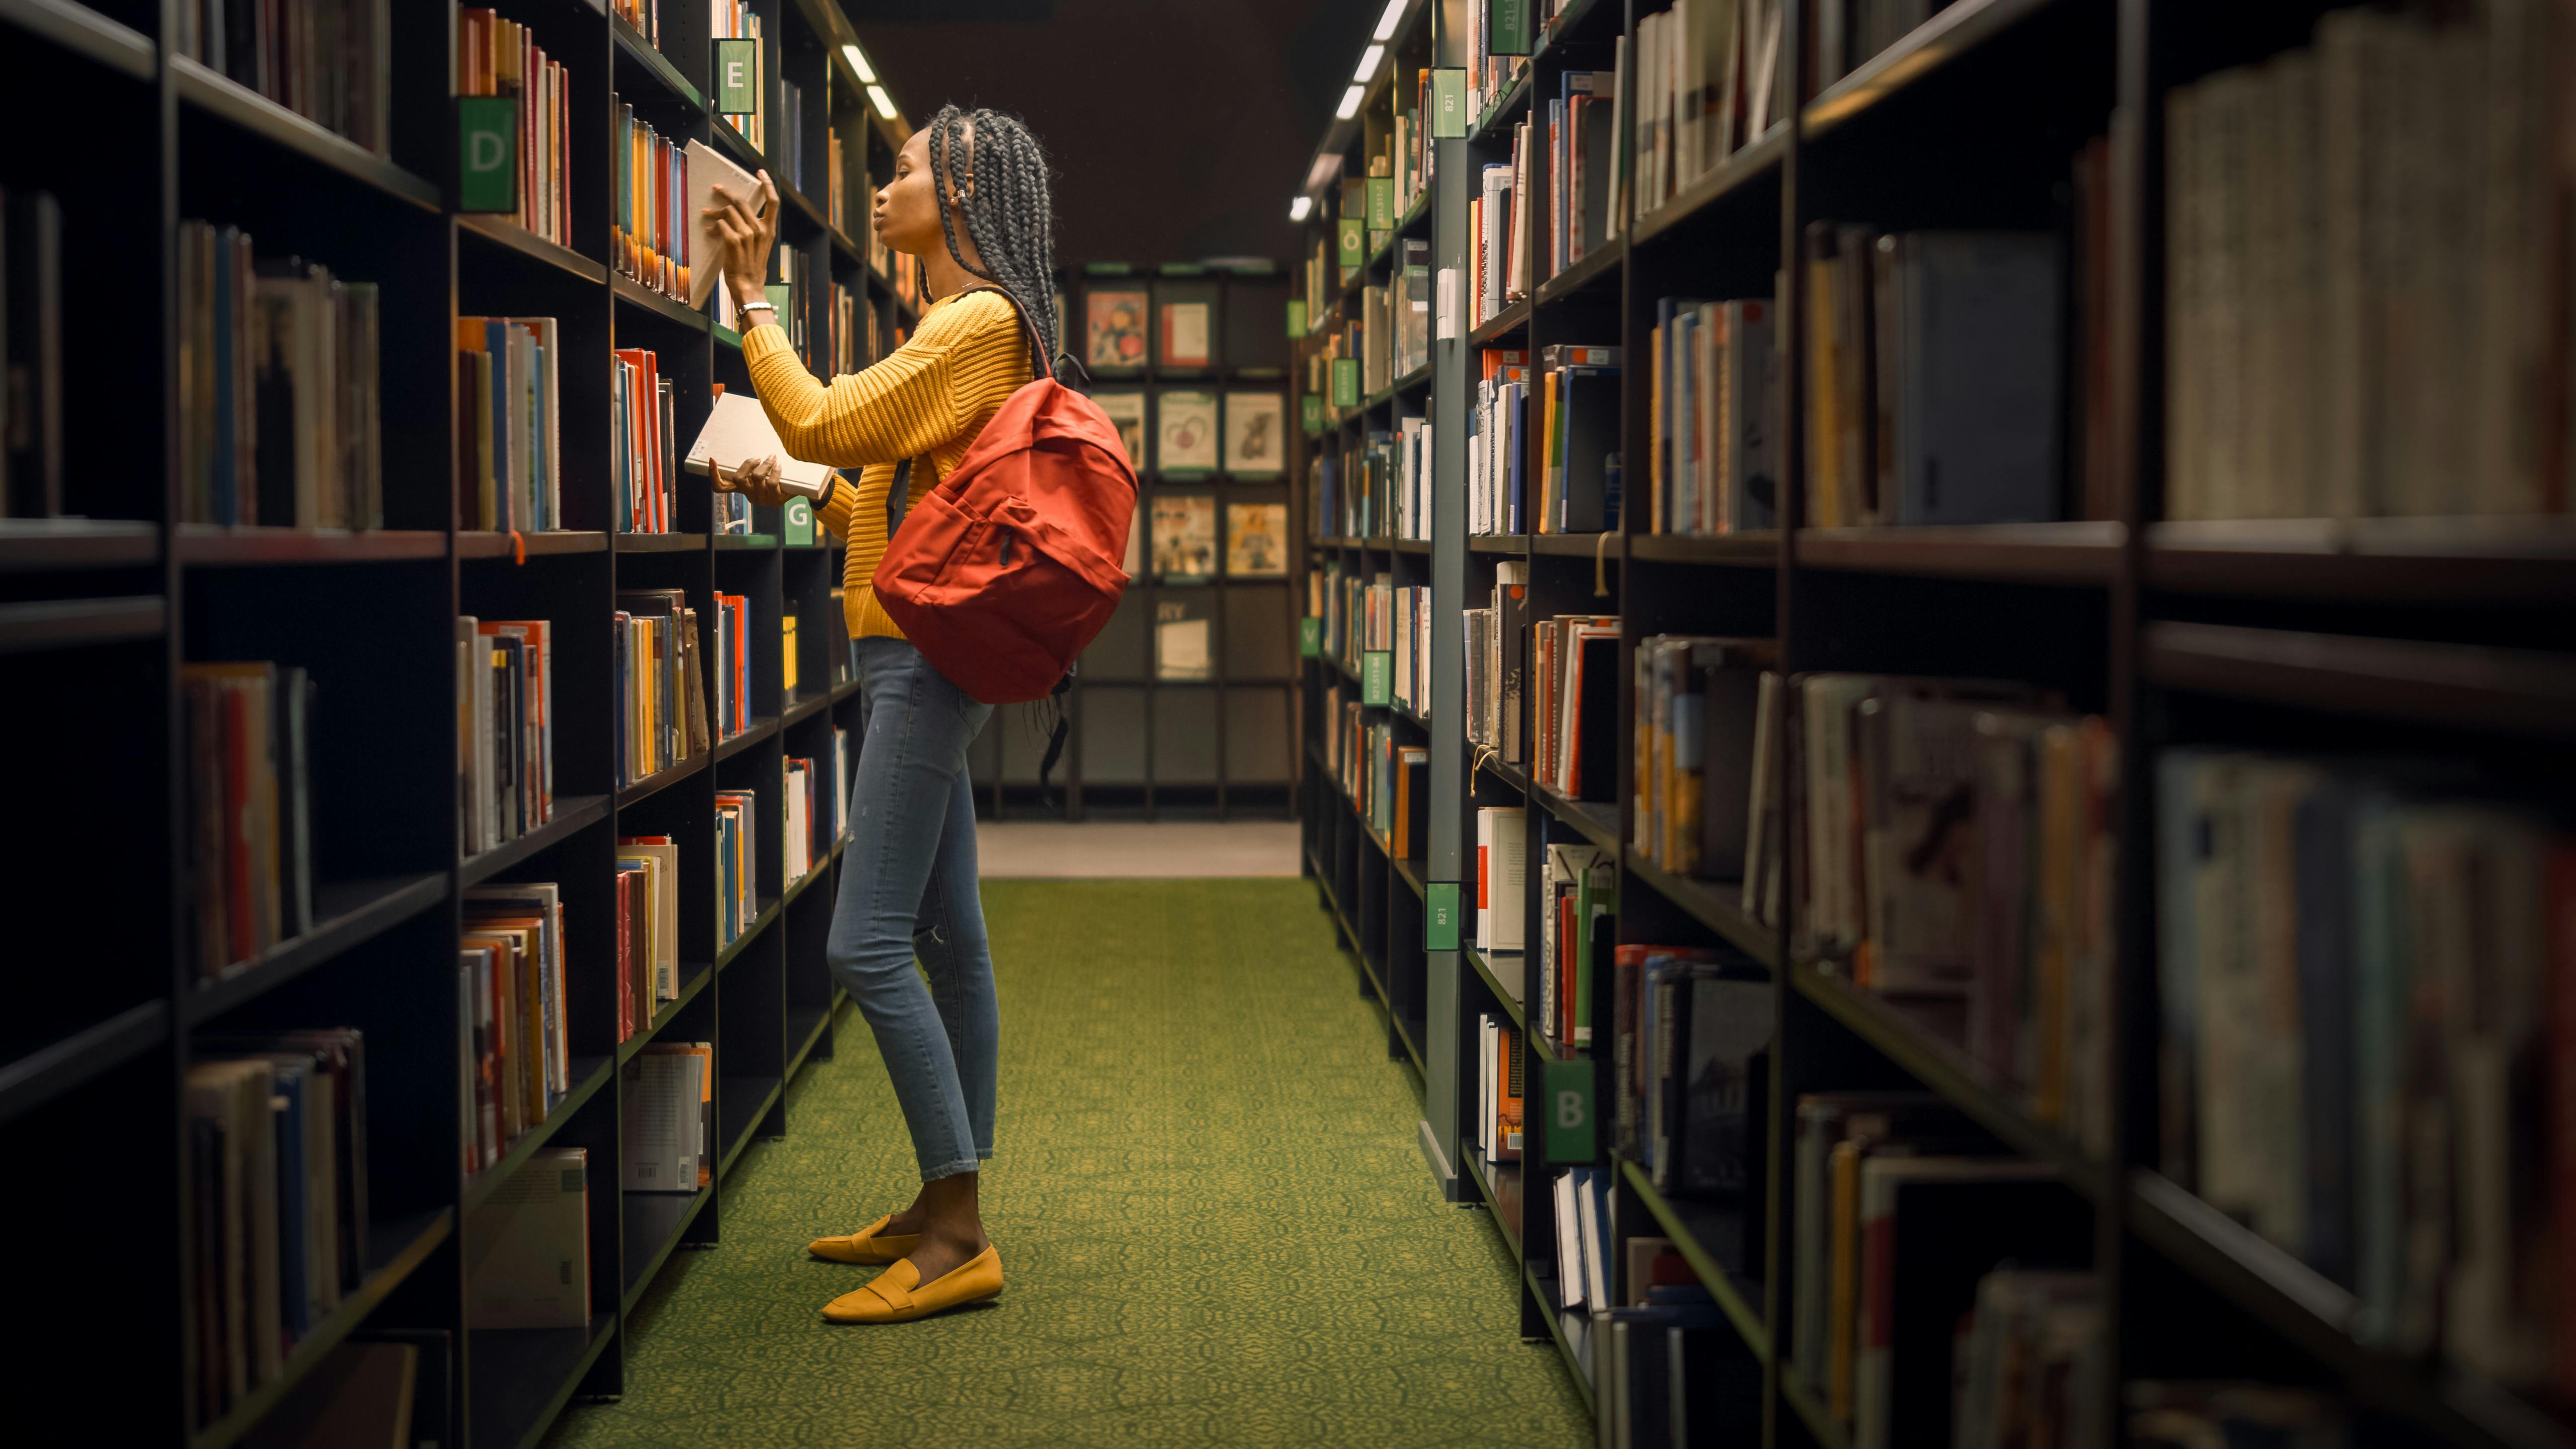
(625,947)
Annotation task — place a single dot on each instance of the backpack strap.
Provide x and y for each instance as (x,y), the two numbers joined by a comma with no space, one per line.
(1042,364)
(898,499)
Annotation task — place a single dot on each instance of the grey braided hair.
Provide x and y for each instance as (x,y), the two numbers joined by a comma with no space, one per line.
(1000,181)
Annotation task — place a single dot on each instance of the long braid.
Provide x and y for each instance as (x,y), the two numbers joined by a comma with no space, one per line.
(1010,215)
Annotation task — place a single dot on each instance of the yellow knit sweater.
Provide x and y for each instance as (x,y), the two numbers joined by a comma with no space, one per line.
(927,402)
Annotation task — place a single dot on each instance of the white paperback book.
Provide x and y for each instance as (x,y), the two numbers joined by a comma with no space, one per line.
(707,169)
(737,431)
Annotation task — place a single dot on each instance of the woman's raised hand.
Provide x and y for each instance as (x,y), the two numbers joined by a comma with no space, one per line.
(748,227)
(757,481)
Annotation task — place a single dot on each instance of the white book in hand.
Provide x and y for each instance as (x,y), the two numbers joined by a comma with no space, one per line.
(708,169)
(737,432)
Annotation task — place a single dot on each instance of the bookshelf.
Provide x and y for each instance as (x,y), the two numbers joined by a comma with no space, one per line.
(103,607)
(2439,637)
(1185,703)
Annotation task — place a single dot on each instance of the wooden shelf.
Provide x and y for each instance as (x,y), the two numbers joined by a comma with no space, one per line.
(2084,554)
(1509,322)
(30,545)
(1758,548)
(2370,560)
(1512,1005)
(1949,34)
(345,915)
(211,545)
(209,93)
(49,1071)
(478,544)
(1759,161)
(1599,269)
(2454,686)
(629,796)
(1717,905)
(510,238)
(72,623)
(572,815)
(1690,1224)
(84,32)
(657,542)
(636,57)
(588,1075)
(749,735)
(654,304)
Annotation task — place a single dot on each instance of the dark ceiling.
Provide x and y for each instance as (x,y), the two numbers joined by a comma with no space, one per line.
(1180,129)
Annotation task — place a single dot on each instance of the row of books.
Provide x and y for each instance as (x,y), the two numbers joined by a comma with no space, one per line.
(1574,705)
(1497,442)
(1578,195)
(651,231)
(644,443)
(1691,1039)
(1711,81)
(1897,1210)
(2029,1356)
(1936,376)
(737,881)
(276,1126)
(326,61)
(1850,32)
(1501,1088)
(1194,431)
(279,390)
(846,333)
(1578,908)
(31,352)
(1411,158)
(1377,486)
(731,675)
(2350,326)
(648,930)
(496,56)
(1714,409)
(736,20)
(1577,432)
(1498,241)
(2362,970)
(510,978)
(1184,538)
(1665,1360)
(528,1246)
(666,1123)
(1700,724)
(509,423)
(644,15)
(661,690)
(1497,664)
(1358,614)
(1395,321)
(1502,858)
(505,729)
(248,730)
(1958,857)
(815,792)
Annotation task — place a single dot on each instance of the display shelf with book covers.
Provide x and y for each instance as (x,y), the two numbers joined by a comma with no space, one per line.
(2154,596)
(345,921)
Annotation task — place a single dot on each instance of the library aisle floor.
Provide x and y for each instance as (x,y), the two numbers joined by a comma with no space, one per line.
(1216,1228)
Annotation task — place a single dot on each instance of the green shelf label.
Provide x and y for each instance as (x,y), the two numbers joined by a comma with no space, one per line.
(737,76)
(799,515)
(1449,104)
(1346,382)
(1507,26)
(1381,203)
(1377,677)
(487,153)
(1440,916)
(1565,1111)
(1312,407)
(1310,638)
(1354,240)
(1296,316)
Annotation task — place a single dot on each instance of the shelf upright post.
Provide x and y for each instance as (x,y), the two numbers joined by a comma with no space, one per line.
(1450,364)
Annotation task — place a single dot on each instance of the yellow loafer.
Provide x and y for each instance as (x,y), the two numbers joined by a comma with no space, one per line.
(869,1245)
(898,1296)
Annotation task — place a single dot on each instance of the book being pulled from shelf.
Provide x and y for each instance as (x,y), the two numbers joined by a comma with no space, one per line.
(1497,419)
(1713,403)
(2186,1414)
(248,732)
(527,1246)
(1711,79)
(280,395)
(2362,971)
(1697,707)
(2350,318)
(737,882)
(648,929)
(496,56)
(643,437)
(516,1031)
(666,1101)
(326,61)
(1500,1083)
(276,1142)
(649,237)
(31,403)
(662,714)
(506,728)
(1959,854)
(509,428)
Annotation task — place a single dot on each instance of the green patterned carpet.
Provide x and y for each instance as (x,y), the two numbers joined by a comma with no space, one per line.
(1216,1227)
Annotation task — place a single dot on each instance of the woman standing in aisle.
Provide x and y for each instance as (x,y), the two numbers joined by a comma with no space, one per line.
(969,197)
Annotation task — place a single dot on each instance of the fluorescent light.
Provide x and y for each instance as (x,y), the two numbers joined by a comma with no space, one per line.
(883,102)
(1386,22)
(1301,208)
(1350,105)
(1326,167)
(1368,63)
(859,64)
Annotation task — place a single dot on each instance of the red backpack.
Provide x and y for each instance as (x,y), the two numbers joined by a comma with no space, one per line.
(1010,566)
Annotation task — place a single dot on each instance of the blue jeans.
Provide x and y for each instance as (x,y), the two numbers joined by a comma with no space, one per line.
(908,888)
